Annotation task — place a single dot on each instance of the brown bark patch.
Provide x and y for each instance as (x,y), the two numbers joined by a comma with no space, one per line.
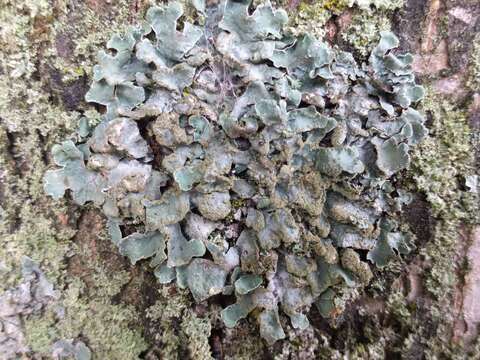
(431,28)
(467,326)
(452,86)
(431,63)
(93,247)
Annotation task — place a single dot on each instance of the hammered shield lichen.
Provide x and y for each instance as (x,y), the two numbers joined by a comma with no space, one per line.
(275,154)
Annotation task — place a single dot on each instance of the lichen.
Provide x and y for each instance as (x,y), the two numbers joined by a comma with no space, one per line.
(197,331)
(27,228)
(310,18)
(29,46)
(81,318)
(379,4)
(30,297)
(111,329)
(363,30)
(473,81)
(244,121)
(191,337)
(41,82)
(84,310)
(437,167)
(364,18)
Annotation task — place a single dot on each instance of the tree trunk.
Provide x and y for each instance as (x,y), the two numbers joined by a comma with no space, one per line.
(422,306)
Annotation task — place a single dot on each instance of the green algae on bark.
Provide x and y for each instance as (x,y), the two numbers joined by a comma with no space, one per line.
(21,19)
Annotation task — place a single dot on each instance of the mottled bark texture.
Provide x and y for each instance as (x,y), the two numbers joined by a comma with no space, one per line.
(422,306)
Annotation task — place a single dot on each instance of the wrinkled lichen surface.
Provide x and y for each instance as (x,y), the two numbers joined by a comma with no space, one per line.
(247,161)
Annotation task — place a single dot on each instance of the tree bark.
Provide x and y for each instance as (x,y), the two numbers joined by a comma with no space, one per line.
(423,306)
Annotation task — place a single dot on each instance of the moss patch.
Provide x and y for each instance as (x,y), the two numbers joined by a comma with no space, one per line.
(474,67)
(104,327)
(363,32)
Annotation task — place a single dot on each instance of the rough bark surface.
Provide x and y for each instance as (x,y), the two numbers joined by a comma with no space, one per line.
(422,306)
